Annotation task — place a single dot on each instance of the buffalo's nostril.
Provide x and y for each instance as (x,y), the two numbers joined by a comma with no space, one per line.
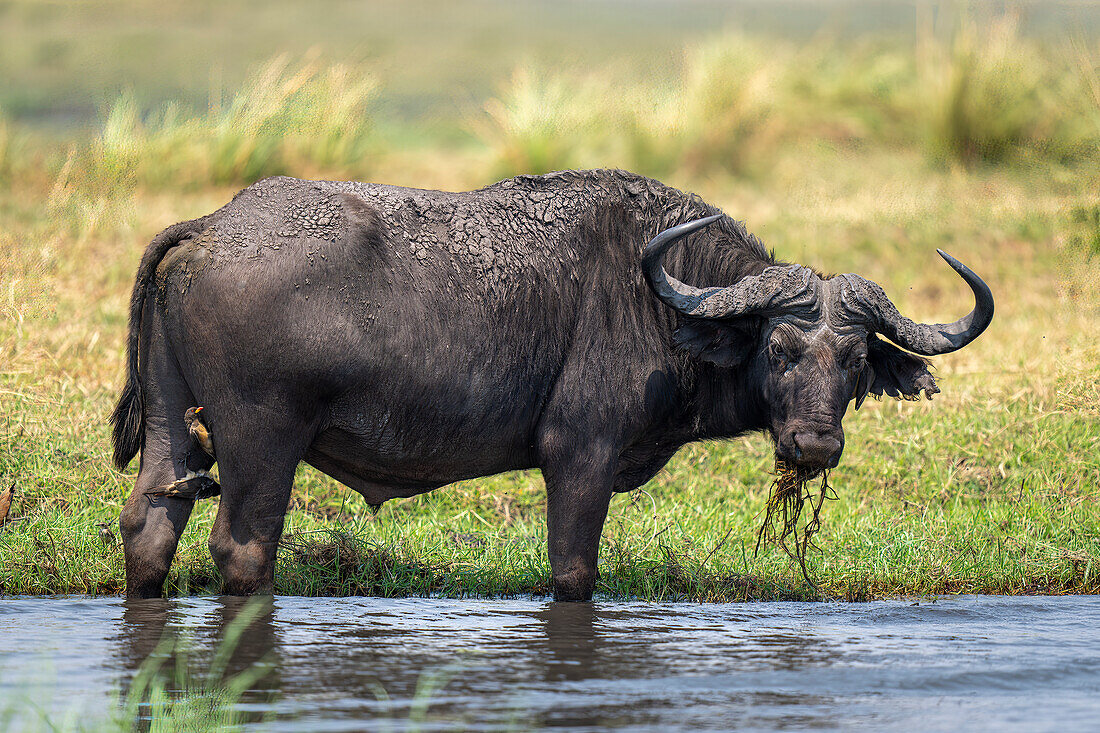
(817,450)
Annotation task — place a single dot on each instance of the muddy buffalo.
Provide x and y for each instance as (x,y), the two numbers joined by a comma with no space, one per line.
(400,340)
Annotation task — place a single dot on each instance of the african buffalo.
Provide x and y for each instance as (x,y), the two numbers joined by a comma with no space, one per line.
(400,340)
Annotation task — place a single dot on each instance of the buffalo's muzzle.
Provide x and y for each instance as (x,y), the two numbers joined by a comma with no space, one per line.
(817,450)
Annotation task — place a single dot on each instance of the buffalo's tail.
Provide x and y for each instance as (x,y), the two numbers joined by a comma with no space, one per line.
(128,418)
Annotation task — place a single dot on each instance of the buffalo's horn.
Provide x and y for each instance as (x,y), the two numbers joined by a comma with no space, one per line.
(928,339)
(674,293)
(774,287)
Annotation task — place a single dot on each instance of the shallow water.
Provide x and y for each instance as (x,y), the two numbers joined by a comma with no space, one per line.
(1004,663)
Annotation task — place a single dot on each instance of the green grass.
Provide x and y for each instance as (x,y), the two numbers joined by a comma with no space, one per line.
(834,154)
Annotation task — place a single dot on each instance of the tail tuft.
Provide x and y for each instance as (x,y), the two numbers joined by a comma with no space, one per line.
(128,420)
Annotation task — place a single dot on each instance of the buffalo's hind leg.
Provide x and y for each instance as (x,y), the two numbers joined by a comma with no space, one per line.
(258,451)
(151,525)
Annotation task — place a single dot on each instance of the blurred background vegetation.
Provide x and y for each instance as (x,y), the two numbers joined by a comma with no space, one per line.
(852,136)
(212,92)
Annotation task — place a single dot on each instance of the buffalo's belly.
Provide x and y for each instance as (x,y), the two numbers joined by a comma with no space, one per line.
(406,447)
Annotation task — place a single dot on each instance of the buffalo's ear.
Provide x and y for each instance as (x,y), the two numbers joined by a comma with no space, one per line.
(863,384)
(724,343)
(898,373)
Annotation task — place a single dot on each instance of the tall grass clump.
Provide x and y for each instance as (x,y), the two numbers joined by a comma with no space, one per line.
(1086,91)
(542,122)
(852,91)
(716,116)
(303,119)
(124,140)
(993,96)
(719,114)
(728,103)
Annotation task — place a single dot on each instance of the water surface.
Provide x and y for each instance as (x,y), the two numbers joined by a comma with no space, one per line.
(365,663)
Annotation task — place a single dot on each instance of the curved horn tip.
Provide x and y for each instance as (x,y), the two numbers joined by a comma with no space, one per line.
(967,274)
(669,289)
(958,266)
(704,222)
(665,238)
(690,227)
(693,226)
(949,259)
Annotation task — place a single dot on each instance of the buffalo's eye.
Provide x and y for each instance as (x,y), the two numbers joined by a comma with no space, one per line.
(856,362)
(779,356)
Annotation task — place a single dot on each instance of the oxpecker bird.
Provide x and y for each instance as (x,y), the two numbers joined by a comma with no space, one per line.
(198,431)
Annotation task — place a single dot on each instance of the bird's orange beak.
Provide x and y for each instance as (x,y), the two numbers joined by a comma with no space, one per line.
(198,410)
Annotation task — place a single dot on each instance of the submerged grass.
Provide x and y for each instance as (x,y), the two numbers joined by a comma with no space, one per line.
(833,155)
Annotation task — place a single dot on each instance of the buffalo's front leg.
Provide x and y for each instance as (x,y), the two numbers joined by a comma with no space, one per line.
(578,493)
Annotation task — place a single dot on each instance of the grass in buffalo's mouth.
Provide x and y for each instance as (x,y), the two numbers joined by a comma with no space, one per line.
(783,509)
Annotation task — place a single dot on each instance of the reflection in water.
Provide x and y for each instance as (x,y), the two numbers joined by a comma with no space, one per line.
(626,659)
(144,627)
(188,654)
(554,665)
(355,663)
(571,643)
(254,620)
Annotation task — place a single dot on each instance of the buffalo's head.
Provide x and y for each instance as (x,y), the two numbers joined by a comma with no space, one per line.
(813,346)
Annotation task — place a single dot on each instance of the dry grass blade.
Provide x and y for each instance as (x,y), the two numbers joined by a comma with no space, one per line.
(5,502)
(784,508)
